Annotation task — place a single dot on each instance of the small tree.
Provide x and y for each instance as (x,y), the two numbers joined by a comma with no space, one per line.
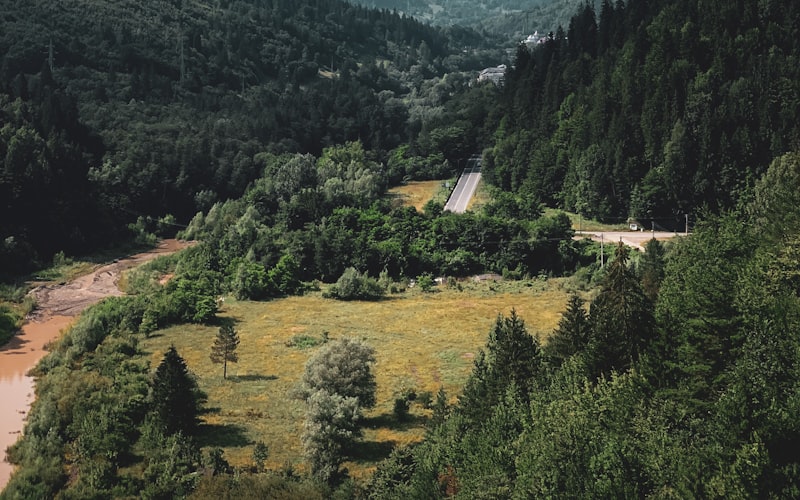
(224,348)
(260,455)
(572,334)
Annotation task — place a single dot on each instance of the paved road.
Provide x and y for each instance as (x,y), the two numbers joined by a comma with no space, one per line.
(635,239)
(465,187)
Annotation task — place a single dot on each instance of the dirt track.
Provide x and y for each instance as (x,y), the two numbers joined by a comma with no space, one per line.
(635,239)
(73,297)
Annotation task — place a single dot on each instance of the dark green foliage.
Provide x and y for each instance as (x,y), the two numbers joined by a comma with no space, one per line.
(514,359)
(224,348)
(203,95)
(775,199)
(175,395)
(215,461)
(697,311)
(649,110)
(8,324)
(441,409)
(651,268)
(621,319)
(572,335)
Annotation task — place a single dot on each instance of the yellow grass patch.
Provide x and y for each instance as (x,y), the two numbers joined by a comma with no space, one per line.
(422,341)
(417,193)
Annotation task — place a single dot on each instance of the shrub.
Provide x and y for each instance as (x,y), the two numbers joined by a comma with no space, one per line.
(353,285)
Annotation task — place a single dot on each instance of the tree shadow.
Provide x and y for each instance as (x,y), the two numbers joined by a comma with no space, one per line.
(371,451)
(252,378)
(222,435)
(390,421)
(224,321)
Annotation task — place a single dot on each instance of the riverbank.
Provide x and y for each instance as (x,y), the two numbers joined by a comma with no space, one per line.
(57,307)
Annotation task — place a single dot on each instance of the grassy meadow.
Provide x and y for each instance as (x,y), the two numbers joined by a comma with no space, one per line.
(417,193)
(422,341)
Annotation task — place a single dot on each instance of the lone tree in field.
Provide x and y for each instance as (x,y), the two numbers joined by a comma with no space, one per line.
(337,384)
(224,348)
(342,367)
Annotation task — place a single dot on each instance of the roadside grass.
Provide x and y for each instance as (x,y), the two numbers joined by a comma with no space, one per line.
(481,198)
(417,193)
(422,341)
(582,223)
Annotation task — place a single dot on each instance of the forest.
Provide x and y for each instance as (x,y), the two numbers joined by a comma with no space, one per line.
(270,131)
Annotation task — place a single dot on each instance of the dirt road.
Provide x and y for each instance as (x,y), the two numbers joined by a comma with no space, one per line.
(635,239)
(71,298)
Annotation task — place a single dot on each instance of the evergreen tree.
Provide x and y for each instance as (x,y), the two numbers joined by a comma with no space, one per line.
(175,396)
(224,348)
(572,335)
(440,409)
(652,268)
(513,359)
(514,355)
(621,319)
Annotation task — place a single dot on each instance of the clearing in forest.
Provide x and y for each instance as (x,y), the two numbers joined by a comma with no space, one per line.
(417,193)
(422,341)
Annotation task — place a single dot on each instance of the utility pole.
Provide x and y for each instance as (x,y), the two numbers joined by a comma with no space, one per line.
(687,223)
(50,56)
(602,251)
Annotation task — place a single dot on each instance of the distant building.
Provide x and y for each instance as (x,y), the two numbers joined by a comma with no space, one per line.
(537,39)
(495,75)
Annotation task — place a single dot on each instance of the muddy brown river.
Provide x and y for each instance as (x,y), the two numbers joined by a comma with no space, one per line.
(58,305)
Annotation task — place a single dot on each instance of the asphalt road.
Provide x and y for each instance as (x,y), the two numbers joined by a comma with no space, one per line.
(465,188)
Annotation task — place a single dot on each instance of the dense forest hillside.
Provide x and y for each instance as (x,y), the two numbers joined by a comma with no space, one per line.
(161,108)
(651,110)
(501,17)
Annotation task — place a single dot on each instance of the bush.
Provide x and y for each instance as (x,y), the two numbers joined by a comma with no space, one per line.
(353,285)
(400,410)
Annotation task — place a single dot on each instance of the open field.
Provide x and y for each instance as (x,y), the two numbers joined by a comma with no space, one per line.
(417,193)
(422,341)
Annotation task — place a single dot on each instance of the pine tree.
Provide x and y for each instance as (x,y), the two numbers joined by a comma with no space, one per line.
(621,319)
(572,334)
(224,348)
(514,354)
(175,397)
(652,268)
